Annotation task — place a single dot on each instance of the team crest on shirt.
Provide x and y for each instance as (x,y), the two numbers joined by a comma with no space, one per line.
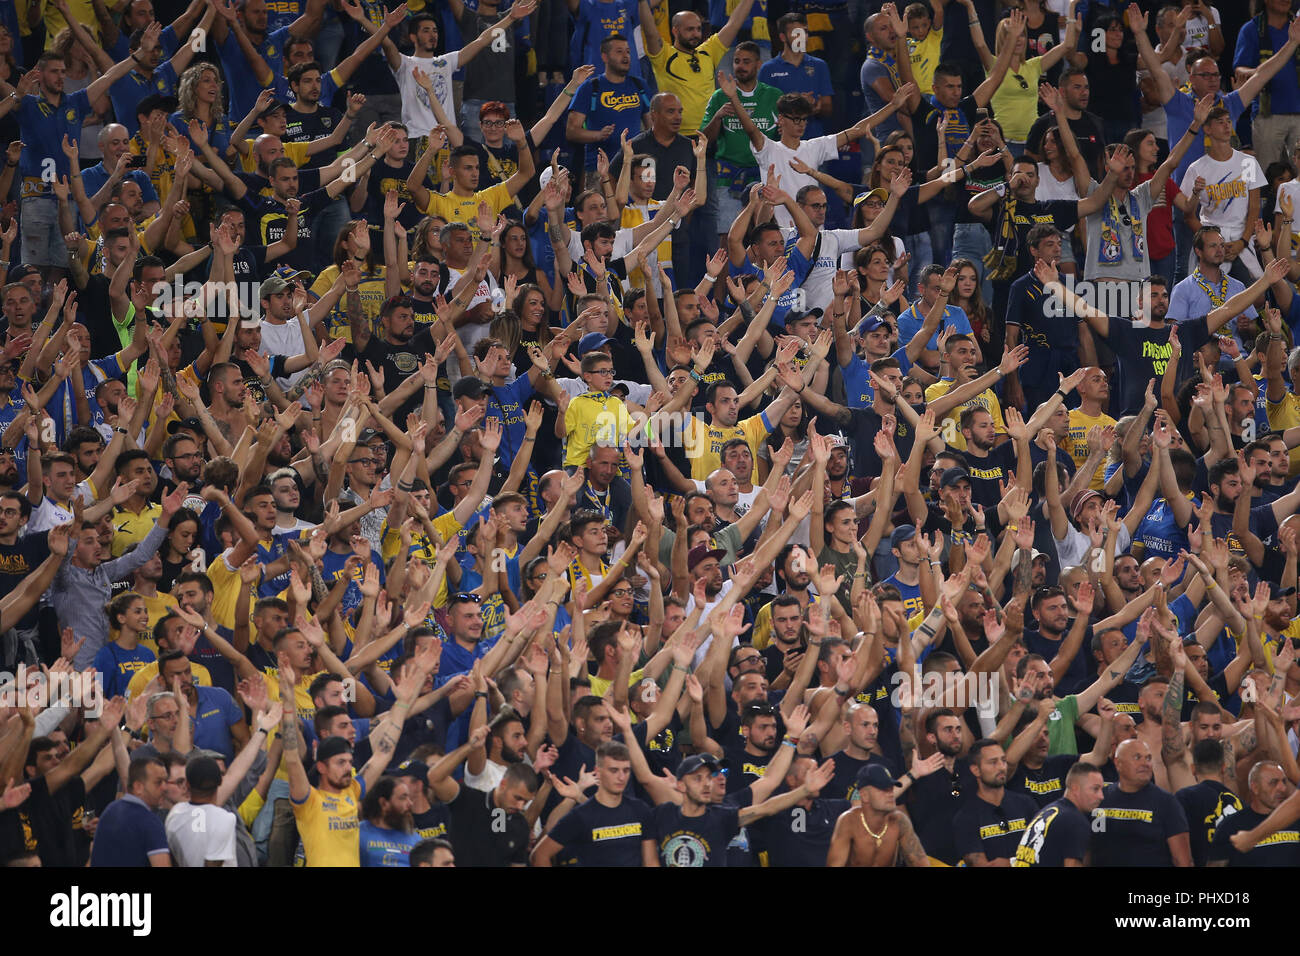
(685,849)
(327,121)
(808,69)
(270,51)
(72,116)
(162,86)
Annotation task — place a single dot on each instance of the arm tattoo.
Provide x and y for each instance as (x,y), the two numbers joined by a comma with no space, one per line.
(169,381)
(1024,574)
(310,378)
(318,586)
(288,727)
(909,843)
(1171,729)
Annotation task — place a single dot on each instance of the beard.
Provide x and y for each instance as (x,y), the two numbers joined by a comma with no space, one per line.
(509,755)
(405,822)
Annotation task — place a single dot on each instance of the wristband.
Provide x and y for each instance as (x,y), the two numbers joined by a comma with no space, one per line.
(120,430)
(709,279)
(910,776)
(1061,393)
(789,743)
(679,667)
(696,375)
(480,693)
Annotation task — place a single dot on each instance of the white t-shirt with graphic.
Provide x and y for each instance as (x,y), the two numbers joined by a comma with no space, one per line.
(1227,190)
(417,115)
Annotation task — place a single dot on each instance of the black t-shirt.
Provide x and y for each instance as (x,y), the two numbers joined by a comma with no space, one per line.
(17,561)
(695,841)
(483,833)
(434,822)
(1207,805)
(598,835)
(1280,849)
(309,127)
(743,769)
(1133,829)
(1060,832)
(49,825)
(933,802)
(1142,354)
(1080,674)
(861,430)
(666,158)
(1088,132)
(798,836)
(381,180)
(844,783)
(266,216)
(985,473)
(1045,784)
(1061,213)
(995,831)
(398,362)
(573,756)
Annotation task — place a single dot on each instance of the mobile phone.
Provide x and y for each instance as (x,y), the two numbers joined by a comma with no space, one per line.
(983,113)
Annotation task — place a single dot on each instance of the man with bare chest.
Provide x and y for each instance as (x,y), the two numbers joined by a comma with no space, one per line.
(876,832)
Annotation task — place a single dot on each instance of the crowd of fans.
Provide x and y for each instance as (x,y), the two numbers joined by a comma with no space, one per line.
(607,433)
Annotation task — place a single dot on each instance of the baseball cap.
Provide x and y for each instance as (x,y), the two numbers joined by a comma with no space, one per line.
(189,424)
(796,316)
(272,285)
(878,193)
(288,273)
(871,323)
(18,273)
(332,747)
(1015,558)
(702,552)
(493,106)
(951,476)
(469,387)
(411,768)
(367,436)
(1081,499)
(203,774)
(695,761)
(592,341)
(904,532)
(545,177)
(275,105)
(875,776)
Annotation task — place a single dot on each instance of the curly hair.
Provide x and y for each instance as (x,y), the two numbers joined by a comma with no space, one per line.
(187,89)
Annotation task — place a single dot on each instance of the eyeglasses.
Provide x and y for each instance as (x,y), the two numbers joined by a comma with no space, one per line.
(601,371)
(193,454)
(364,462)
(1208,73)
(795,119)
(493,124)
(621,592)
(873,203)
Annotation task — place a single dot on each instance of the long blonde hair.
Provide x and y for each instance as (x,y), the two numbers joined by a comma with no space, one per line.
(188,95)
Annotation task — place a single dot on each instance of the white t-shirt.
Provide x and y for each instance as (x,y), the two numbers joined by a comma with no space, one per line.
(1227,190)
(1196,34)
(1290,189)
(636,392)
(623,243)
(283,338)
(744,502)
(814,152)
(417,115)
(471,332)
(1049,187)
(197,833)
(708,608)
(1073,549)
(49,515)
(818,287)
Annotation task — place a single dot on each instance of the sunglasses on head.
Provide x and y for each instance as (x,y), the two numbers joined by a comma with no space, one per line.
(467,596)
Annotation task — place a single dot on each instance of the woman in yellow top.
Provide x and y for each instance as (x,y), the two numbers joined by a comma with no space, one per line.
(353,243)
(1015,102)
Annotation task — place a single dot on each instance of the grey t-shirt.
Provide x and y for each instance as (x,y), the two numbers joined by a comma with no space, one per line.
(491,74)
(1111,240)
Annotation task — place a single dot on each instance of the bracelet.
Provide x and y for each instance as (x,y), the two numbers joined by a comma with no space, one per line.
(1061,393)
(350,291)
(1210,585)
(801,391)
(120,430)
(480,693)
(910,776)
(936,564)
(789,743)
(529,438)
(679,667)
(426,388)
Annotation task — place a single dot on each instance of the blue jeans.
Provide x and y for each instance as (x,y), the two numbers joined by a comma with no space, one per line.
(1182,248)
(328,41)
(970,240)
(919,248)
(1165,267)
(943,216)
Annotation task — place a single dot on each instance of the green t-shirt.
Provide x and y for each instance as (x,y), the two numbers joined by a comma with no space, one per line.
(733,143)
(1060,728)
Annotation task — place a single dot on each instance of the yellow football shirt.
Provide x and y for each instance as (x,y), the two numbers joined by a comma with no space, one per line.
(704,443)
(464,209)
(1078,443)
(329,824)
